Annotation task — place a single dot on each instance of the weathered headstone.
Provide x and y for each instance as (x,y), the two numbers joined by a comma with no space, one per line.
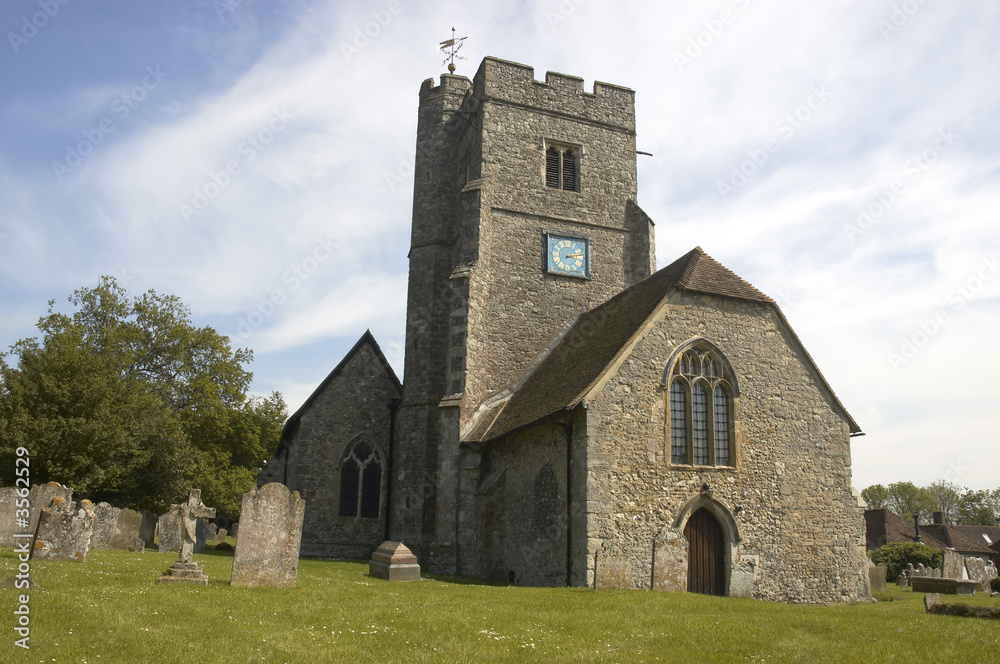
(267,553)
(204,533)
(953,564)
(876,574)
(188,512)
(393,561)
(977,572)
(64,531)
(221,535)
(670,561)
(235,530)
(147,529)
(105,519)
(901,580)
(921,570)
(168,531)
(41,496)
(8,522)
(126,537)
(611,570)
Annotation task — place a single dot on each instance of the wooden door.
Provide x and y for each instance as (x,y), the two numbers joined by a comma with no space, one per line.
(706,554)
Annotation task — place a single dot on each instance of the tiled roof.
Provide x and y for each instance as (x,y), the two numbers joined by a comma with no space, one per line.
(569,370)
(955,539)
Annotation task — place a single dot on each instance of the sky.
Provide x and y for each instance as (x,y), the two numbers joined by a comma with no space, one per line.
(255,159)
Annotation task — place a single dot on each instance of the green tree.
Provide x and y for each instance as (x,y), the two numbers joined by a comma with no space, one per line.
(905,500)
(979,508)
(876,496)
(127,401)
(946,496)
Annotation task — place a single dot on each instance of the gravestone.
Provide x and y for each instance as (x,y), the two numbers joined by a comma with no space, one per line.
(168,530)
(977,572)
(393,561)
(953,565)
(235,530)
(611,571)
(126,536)
(105,519)
(670,556)
(742,579)
(921,570)
(267,553)
(200,535)
(185,570)
(147,529)
(40,497)
(8,522)
(64,531)
(901,580)
(876,573)
(221,535)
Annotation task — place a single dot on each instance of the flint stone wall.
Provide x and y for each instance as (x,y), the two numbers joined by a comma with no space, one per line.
(64,531)
(267,553)
(792,474)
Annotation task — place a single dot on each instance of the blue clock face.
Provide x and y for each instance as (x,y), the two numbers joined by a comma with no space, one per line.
(568,255)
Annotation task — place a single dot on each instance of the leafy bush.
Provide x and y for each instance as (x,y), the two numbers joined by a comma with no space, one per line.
(896,555)
(995,584)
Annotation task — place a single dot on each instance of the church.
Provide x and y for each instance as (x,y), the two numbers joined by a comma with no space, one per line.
(569,414)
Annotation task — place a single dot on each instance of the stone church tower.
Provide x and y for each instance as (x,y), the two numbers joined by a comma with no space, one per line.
(570,415)
(507,168)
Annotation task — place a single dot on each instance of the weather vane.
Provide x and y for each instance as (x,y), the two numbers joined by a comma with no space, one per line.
(451,47)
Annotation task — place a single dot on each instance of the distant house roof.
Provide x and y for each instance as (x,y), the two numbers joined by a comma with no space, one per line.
(884,527)
(567,371)
(986,535)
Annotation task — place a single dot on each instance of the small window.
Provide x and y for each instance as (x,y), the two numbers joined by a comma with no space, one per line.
(701,409)
(361,483)
(562,167)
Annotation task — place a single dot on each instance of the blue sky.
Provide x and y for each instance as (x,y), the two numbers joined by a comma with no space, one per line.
(255,159)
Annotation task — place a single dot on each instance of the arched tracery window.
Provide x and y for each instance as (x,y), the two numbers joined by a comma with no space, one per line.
(701,409)
(361,482)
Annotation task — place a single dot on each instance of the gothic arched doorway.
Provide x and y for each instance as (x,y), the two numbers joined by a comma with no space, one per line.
(706,554)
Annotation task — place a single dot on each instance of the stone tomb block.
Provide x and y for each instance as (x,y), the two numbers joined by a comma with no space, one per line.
(168,530)
(931,584)
(267,552)
(64,531)
(393,561)
(105,520)
(147,529)
(670,560)
(126,536)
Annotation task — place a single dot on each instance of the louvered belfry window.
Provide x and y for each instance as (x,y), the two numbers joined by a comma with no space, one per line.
(701,411)
(562,167)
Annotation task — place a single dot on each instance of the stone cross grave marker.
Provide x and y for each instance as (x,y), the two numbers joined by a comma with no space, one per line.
(185,570)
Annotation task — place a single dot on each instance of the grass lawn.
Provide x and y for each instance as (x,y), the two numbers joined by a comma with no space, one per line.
(111,610)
